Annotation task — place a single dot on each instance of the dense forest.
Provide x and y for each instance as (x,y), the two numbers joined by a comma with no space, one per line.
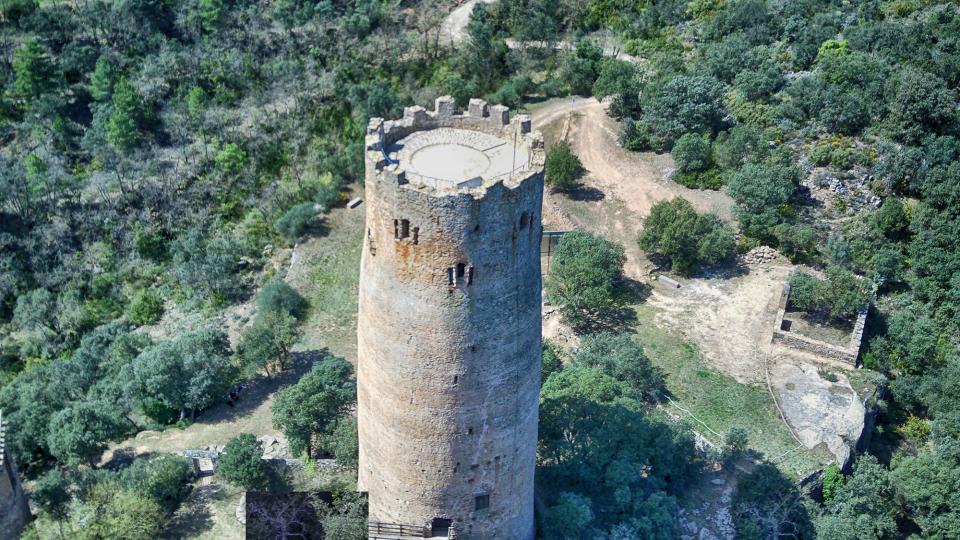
(153,154)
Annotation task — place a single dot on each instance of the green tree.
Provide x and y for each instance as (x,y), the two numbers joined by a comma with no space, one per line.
(343,441)
(241,463)
(164,479)
(832,480)
(569,517)
(921,103)
(278,296)
(211,13)
(684,104)
(295,221)
(863,507)
(34,71)
(735,442)
(231,159)
(188,373)
(122,130)
(79,433)
(769,505)
(675,231)
(102,79)
(146,307)
(582,278)
(691,153)
(563,167)
(310,407)
(269,339)
(620,357)
(51,494)
(762,193)
(550,361)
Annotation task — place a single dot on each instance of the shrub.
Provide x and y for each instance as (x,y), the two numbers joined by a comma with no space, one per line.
(582,277)
(734,443)
(295,221)
(691,152)
(550,361)
(832,482)
(841,295)
(242,462)
(563,167)
(675,231)
(146,307)
(278,296)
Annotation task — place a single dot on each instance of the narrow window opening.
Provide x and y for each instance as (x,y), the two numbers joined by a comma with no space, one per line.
(481,502)
(396,229)
(404,228)
(469,431)
(450,280)
(456,379)
(470,276)
(461,270)
(524,220)
(476,228)
(416,235)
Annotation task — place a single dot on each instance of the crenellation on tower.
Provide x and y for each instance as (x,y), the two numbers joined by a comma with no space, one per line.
(449,321)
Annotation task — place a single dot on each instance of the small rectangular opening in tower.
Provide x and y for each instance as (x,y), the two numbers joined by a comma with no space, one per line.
(450,279)
(461,270)
(396,229)
(404,228)
(470,276)
(481,502)
(416,235)
(524,220)
(440,527)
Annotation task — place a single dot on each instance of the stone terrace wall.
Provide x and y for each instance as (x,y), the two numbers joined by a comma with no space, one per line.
(847,355)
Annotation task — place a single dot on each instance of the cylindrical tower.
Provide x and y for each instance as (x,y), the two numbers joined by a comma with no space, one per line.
(448,375)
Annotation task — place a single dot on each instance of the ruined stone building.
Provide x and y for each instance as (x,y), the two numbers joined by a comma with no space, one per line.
(14,512)
(449,323)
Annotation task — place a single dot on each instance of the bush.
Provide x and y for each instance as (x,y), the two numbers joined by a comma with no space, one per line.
(280,297)
(620,357)
(832,480)
(159,412)
(841,295)
(343,442)
(691,153)
(563,167)
(295,221)
(550,361)
(146,307)
(164,479)
(242,462)
(582,278)
(734,443)
(675,231)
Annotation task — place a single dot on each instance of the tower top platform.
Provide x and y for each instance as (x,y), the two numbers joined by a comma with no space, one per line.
(441,151)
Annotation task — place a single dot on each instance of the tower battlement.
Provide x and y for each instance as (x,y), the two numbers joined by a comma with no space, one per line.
(441,150)
(448,332)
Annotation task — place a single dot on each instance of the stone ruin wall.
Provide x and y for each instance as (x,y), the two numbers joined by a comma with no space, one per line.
(14,512)
(848,355)
(449,337)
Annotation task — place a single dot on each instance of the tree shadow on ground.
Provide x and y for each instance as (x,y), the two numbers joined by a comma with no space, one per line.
(257,389)
(194,515)
(586,194)
(123,458)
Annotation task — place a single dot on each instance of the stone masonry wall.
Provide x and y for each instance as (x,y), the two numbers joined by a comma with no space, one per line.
(449,337)
(847,355)
(14,512)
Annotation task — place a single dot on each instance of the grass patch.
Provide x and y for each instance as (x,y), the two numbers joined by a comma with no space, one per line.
(721,402)
(329,279)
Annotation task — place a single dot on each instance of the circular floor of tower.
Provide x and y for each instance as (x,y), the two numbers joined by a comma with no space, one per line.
(448,157)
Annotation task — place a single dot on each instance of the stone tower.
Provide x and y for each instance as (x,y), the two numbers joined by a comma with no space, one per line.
(14,512)
(449,323)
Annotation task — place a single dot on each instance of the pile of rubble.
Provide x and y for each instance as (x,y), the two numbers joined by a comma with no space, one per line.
(760,255)
(854,191)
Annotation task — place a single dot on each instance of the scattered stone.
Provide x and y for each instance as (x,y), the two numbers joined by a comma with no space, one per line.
(760,255)
(241,511)
(355,202)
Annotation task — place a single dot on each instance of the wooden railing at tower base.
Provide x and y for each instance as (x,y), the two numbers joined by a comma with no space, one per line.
(378,530)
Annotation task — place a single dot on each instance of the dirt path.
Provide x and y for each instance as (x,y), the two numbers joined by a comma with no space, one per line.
(640,179)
